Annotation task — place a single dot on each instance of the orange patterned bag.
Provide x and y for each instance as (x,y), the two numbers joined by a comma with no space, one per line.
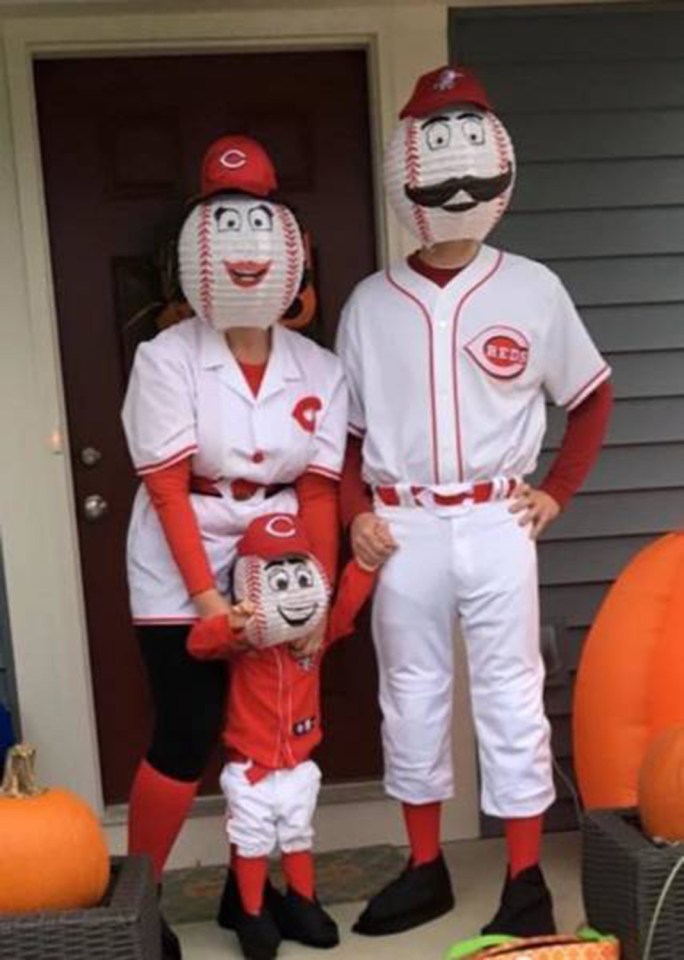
(587,945)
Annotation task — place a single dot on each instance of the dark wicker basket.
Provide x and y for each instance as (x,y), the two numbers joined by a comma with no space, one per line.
(125,926)
(623,875)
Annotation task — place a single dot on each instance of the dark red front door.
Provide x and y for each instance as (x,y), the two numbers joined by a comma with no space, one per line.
(122,141)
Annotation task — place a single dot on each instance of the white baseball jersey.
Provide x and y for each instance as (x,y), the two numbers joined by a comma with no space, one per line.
(447,385)
(187,396)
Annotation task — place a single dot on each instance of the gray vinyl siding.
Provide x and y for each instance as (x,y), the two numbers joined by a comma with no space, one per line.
(594,101)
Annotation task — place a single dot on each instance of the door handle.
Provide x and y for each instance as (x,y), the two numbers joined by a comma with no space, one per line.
(90,456)
(95,507)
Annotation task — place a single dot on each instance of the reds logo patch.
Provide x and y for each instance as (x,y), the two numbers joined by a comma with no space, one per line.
(305,413)
(502,352)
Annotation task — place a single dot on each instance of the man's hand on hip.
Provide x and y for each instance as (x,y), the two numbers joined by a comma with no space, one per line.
(537,509)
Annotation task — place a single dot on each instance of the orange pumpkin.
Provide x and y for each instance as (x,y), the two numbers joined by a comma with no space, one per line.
(661,786)
(631,675)
(53,854)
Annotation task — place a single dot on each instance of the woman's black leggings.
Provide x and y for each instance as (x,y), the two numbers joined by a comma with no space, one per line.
(188,697)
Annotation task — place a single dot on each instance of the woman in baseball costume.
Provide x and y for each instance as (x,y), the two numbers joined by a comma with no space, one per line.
(228,416)
(450,356)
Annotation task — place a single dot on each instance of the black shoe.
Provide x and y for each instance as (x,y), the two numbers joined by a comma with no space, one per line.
(303,920)
(231,905)
(526,908)
(170,944)
(418,895)
(171,948)
(258,935)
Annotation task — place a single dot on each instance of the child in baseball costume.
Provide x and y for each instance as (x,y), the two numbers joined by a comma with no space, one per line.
(450,356)
(272,725)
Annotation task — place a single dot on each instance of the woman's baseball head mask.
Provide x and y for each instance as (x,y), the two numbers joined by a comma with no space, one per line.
(240,255)
(277,572)
(450,166)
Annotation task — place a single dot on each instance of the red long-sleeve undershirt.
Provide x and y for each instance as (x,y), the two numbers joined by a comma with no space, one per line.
(169,491)
(582,441)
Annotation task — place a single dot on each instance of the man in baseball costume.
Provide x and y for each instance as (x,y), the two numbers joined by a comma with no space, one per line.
(450,356)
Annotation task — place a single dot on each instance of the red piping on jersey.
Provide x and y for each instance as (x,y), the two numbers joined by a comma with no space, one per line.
(426,314)
(167,461)
(324,471)
(587,388)
(454,357)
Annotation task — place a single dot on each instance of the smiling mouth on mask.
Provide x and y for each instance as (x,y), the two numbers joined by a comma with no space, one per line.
(246,273)
(298,616)
(478,189)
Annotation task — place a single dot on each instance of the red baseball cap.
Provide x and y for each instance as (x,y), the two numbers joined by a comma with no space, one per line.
(238,163)
(444,88)
(274,535)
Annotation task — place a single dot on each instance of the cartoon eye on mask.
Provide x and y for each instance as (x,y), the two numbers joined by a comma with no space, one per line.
(278,580)
(227,218)
(260,218)
(473,129)
(304,576)
(437,134)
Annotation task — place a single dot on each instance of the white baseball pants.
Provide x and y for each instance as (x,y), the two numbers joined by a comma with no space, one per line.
(475,564)
(275,812)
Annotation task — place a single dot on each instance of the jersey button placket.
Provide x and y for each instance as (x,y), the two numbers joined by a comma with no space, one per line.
(442,325)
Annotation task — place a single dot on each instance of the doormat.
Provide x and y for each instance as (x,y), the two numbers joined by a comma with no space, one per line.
(193,895)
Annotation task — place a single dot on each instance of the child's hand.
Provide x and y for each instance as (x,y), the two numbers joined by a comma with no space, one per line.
(310,645)
(239,615)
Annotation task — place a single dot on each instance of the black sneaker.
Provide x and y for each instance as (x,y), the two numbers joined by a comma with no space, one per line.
(258,935)
(230,906)
(170,944)
(418,895)
(526,908)
(171,948)
(303,920)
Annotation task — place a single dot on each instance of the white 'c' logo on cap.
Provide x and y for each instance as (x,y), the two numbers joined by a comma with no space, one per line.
(282,526)
(233,159)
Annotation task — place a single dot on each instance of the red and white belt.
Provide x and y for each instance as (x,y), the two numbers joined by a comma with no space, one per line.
(410,495)
(239,489)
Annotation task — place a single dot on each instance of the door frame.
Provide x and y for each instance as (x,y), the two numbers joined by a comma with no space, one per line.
(48,615)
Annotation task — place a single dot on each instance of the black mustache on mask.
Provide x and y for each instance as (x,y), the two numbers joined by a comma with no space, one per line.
(481,189)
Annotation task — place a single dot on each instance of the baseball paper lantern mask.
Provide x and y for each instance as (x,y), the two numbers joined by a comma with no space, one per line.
(240,255)
(450,165)
(276,571)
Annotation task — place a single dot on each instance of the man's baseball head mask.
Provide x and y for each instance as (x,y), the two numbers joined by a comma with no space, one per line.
(240,254)
(277,572)
(450,166)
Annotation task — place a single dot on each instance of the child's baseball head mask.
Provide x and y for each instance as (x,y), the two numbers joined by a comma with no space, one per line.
(277,572)
(450,165)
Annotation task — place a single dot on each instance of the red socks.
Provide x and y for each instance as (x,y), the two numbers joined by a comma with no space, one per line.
(299,872)
(251,875)
(423,828)
(157,810)
(523,841)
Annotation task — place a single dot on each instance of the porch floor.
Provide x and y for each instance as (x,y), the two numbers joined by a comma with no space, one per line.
(477,871)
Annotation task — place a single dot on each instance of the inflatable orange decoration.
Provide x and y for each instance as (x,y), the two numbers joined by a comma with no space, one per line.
(661,786)
(630,684)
